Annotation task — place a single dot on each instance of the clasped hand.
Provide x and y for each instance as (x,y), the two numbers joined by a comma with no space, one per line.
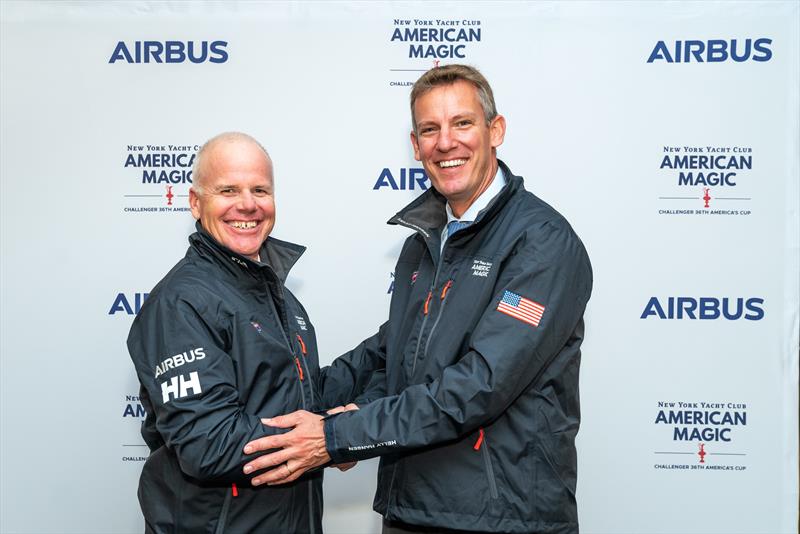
(298,450)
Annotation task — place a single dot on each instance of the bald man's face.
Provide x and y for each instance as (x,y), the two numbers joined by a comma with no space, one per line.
(237,205)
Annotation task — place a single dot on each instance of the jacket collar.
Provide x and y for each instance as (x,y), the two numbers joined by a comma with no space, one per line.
(427,216)
(277,256)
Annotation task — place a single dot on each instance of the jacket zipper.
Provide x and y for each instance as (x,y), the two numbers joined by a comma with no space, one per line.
(304,365)
(223,514)
(416,350)
(284,325)
(430,291)
(482,445)
(310,483)
(311,526)
(303,398)
(391,485)
(300,376)
(425,318)
(443,298)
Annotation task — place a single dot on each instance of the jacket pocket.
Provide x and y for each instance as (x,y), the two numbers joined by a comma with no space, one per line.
(483,445)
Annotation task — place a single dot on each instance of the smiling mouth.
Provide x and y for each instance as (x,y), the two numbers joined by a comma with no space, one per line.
(243,225)
(451,163)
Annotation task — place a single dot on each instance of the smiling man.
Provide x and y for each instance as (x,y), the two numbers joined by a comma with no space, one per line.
(219,344)
(469,392)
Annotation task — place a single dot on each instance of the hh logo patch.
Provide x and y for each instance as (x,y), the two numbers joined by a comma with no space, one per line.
(179,387)
(481,268)
(301,322)
(521,308)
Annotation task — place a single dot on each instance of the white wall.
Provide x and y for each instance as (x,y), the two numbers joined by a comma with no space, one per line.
(324,87)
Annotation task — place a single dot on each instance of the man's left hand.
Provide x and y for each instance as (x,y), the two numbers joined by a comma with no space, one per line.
(301,449)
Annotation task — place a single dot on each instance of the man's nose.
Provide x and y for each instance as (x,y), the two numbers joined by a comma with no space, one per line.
(445,141)
(247,201)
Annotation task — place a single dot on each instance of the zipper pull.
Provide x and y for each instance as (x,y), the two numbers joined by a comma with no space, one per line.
(445,288)
(302,345)
(427,300)
(299,367)
(479,442)
(234,490)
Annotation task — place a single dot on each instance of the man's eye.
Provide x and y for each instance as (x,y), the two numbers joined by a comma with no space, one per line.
(463,123)
(260,192)
(227,191)
(427,130)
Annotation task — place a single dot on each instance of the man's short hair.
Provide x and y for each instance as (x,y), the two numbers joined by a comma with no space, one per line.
(198,168)
(448,75)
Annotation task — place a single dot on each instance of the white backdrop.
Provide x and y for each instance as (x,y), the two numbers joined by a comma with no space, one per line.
(87,231)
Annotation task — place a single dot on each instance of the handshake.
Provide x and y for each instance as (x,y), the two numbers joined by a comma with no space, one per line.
(298,450)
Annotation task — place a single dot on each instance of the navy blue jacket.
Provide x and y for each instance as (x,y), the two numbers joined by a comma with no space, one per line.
(219,344)
(469,392)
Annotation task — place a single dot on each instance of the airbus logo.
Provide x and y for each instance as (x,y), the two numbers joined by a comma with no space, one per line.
(704,308)
(406,179)
(170,52)
(122,303)
(712,51)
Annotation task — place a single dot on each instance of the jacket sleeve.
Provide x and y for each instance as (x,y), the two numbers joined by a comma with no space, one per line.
(189,377)
(505,356)
(357,376)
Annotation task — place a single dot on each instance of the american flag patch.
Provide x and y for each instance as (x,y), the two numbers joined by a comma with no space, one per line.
(521,308)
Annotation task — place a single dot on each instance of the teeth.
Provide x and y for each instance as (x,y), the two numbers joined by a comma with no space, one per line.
(243,224)
(452,163)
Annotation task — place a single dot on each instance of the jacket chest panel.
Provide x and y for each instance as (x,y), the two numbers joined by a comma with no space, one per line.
(439,310)
(272,372)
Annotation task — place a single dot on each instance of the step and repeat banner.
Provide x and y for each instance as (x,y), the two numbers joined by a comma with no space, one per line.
(667,133)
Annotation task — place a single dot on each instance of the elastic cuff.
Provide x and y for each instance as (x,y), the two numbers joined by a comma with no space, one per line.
(329,424)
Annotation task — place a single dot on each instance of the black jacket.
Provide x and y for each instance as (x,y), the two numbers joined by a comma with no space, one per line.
(480,409)
(220,343)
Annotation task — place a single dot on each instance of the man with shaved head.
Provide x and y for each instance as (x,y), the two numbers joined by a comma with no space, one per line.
(219,344)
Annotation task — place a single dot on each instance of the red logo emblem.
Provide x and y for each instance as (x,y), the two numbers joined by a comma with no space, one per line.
(706,196)
(702,453)
(170,196)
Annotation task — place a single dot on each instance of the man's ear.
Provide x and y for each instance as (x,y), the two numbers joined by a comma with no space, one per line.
(415,145)
(497,131)
(194,203)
